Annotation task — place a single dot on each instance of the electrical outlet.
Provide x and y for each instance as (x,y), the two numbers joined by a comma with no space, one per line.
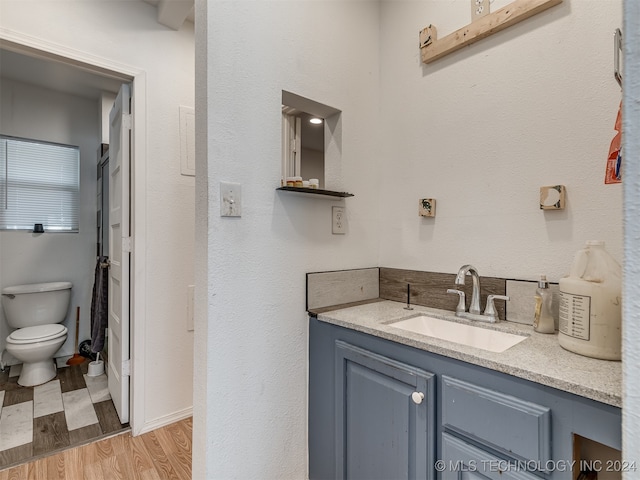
(339,224)
(479,8)
(230,199)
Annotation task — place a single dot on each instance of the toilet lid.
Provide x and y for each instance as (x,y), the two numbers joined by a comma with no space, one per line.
(40,333)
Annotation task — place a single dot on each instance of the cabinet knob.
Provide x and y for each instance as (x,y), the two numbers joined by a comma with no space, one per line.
(417,397)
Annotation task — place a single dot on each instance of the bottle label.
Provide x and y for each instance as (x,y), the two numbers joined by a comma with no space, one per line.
(575,312)
(537,312)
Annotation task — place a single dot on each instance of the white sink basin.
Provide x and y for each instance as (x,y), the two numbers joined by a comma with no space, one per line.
(491,340)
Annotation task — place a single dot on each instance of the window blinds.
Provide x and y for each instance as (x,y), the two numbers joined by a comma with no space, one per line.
(39,183)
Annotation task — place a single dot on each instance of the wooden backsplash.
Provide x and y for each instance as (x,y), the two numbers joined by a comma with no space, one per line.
(429,289)
(339,287)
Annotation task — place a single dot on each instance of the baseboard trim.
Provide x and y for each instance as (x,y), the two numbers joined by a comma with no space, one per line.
(164,421)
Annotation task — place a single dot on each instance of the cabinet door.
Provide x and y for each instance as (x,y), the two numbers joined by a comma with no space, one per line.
(517,427)
(463,461)
(383,430)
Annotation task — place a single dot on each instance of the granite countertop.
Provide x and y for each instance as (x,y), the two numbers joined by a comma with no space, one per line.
(539,358)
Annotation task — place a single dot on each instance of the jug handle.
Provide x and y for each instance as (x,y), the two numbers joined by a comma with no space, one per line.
(580,262)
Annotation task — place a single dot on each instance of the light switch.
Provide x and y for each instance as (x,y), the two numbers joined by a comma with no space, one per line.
(190,307)
(230,199)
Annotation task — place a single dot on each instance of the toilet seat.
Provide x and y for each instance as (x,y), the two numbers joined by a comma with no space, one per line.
(41,333)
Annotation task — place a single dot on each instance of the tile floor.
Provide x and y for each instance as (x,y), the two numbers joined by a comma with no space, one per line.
(69,410)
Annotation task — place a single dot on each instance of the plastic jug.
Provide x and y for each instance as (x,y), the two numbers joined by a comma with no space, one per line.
(591,304)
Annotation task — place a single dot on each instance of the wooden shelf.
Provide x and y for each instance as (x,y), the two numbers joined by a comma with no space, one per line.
(433,48)
(316,192)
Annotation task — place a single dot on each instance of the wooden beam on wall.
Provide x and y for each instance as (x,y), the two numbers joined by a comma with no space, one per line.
(432,49)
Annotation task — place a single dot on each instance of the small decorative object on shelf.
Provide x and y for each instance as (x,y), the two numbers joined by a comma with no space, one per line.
(316,192)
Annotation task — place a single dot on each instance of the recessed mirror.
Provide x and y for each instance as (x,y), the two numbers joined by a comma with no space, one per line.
(303,145)
(305,135)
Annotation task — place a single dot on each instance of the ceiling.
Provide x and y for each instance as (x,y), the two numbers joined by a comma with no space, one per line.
(173,13)
(57,75)
(54,75)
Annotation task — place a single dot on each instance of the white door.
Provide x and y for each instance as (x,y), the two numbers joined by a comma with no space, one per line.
(119,251)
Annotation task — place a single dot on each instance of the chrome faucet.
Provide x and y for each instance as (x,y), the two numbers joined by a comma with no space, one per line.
(475,295)
(490,312)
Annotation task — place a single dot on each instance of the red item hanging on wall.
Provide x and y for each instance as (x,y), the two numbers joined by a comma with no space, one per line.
(614,161)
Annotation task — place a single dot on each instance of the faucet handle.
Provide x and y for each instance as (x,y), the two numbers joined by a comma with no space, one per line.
(490,309)
(460,308)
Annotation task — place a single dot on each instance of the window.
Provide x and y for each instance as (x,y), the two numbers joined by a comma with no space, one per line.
(39,183)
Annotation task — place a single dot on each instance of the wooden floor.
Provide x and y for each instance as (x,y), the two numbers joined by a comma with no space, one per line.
(161,454)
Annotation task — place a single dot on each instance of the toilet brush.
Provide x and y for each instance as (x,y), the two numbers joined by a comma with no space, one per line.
(96,368)
(77,359)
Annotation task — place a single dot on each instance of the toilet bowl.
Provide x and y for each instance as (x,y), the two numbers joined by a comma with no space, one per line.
(36,311)
(35,347)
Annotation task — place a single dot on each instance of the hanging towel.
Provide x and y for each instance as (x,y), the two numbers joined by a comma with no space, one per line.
(99,315)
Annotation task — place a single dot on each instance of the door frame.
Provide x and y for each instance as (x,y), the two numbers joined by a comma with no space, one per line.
(39,48)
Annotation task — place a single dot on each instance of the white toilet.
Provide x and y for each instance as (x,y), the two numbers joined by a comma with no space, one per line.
(36,311)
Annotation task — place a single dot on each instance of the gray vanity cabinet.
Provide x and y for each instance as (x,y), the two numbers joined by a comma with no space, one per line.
(384,424)
(465,461)
(364,422)
(518,430)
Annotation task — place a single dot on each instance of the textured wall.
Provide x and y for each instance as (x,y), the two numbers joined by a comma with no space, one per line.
(127,33)
(38,113)
(631,317)
(253,339)
(483,128)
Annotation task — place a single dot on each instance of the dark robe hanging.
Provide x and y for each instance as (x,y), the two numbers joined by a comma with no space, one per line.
(99,314)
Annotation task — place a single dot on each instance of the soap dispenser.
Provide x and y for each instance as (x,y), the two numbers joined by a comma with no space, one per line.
(543,318)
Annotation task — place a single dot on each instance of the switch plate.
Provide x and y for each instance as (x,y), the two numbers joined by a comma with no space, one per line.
(190,307)
(339,223)
(230,199)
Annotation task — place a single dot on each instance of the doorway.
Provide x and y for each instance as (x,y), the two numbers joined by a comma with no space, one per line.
(85,75)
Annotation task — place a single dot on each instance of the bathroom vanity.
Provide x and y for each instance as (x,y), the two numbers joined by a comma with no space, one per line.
(389,403)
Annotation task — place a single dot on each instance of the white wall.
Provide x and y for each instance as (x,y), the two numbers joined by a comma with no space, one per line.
(631,326)
(483,128)
(252,339)
(480,130)
(33,112)
(126,32)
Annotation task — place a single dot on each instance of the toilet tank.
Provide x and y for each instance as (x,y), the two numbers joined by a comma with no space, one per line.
(36,304)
